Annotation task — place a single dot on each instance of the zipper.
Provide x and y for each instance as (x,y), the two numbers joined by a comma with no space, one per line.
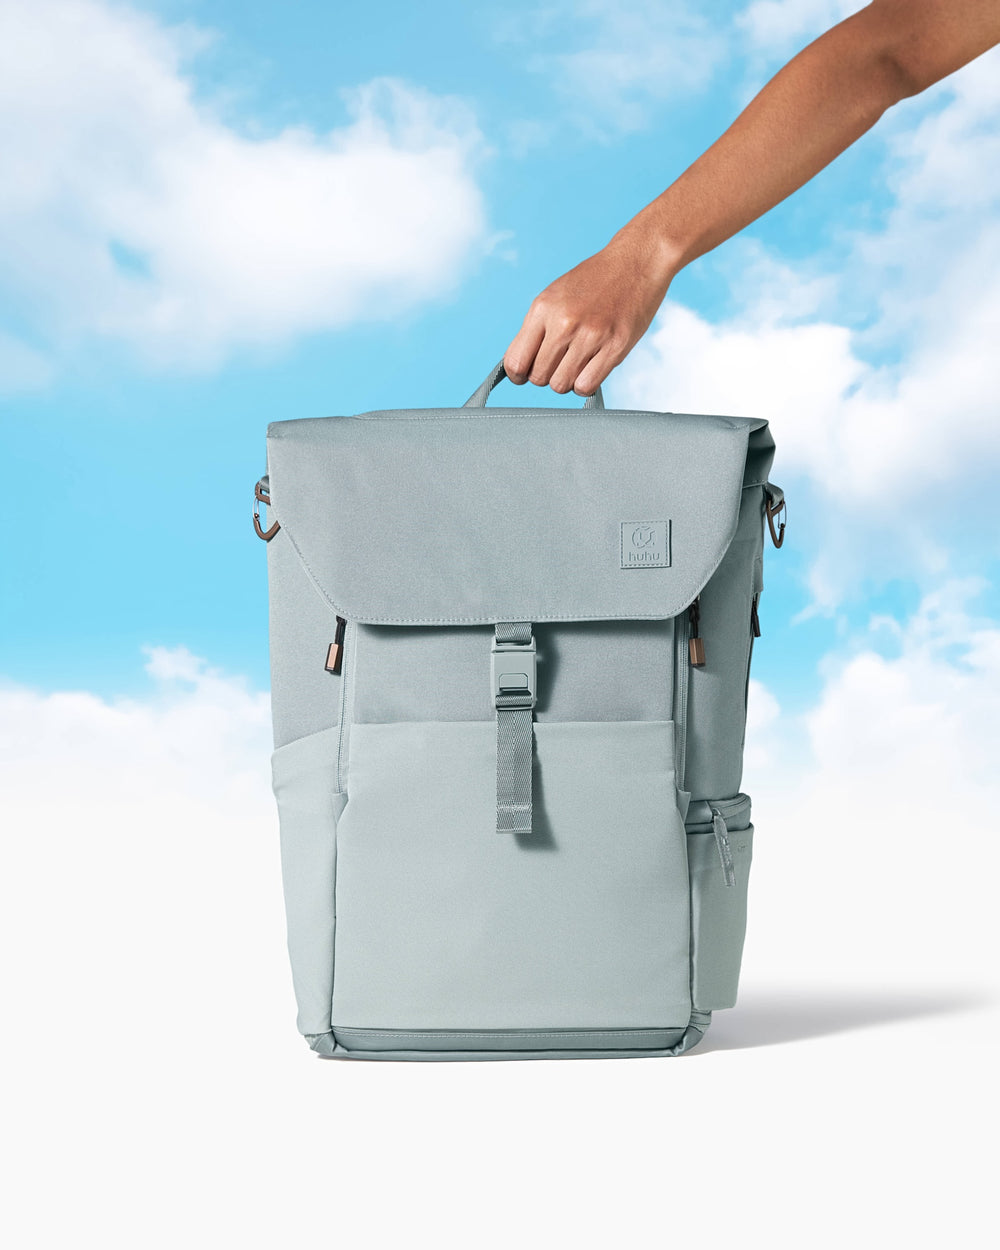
(690,653)
(335,653)
(729,808)
(754,633)
(335,664)
(721,833)
(696,644)
(682,665)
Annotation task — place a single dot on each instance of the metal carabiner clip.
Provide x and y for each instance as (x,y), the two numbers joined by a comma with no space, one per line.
(262,495)
(771,512)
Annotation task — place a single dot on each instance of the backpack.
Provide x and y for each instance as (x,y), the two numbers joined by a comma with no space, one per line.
(510,651)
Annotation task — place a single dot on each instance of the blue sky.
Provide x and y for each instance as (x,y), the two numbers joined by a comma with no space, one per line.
(382,192)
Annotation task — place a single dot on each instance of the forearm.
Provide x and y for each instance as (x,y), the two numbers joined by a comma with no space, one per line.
(814,108)
(586,321)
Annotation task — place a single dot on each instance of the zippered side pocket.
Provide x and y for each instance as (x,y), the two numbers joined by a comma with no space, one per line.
(754,633)
(682,666)
(719,867)
(341,650)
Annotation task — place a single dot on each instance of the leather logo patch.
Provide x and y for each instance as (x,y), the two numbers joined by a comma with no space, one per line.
(645,544)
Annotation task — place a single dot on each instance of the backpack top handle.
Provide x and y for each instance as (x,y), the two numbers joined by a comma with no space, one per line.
(478,398)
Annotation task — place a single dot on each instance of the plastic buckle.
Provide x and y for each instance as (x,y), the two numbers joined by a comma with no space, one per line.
(514,669)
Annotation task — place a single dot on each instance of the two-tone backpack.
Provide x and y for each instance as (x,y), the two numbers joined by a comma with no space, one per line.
(510,650)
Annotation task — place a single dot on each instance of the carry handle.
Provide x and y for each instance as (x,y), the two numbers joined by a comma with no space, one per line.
(478,398)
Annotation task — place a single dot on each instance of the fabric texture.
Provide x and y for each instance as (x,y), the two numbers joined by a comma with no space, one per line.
(511,821)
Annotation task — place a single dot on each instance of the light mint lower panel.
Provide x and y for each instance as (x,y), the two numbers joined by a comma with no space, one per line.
(303,774)
(443,923)
(718,917)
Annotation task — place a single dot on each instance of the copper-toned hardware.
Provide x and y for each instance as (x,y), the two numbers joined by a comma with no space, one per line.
(771,512)
(263,497)
(335,652)
(696,645)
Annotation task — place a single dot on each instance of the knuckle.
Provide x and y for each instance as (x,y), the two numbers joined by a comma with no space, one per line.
(542,303)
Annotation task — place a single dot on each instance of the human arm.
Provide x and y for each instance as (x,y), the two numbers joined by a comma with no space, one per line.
(587,321)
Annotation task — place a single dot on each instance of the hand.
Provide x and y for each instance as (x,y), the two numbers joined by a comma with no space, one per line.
(586,322)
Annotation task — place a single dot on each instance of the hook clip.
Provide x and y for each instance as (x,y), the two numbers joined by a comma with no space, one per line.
(262,495)
(771,512)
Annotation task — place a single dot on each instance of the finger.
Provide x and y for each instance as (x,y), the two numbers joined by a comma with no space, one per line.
(547,360)
(519,357)
(596,370)
(580,352)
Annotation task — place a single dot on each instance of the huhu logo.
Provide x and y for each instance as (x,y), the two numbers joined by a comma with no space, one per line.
(645,544)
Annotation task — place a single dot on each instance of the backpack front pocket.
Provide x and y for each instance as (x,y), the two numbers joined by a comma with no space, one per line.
(445,924)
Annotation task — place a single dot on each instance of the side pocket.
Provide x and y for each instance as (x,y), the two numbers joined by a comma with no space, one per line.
(718,916)
(304,779)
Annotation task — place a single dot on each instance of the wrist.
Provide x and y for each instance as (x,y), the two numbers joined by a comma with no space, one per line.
(662,255)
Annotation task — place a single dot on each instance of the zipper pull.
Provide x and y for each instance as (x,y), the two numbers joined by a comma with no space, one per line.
(696,645)
(722,842)
(754,618)
(335,654)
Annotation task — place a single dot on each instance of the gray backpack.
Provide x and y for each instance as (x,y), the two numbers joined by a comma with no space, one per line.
(510,650)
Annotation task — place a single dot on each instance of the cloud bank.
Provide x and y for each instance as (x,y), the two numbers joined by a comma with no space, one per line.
(130,210)
(880,377)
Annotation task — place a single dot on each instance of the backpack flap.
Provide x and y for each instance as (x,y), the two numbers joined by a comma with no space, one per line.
(458,516)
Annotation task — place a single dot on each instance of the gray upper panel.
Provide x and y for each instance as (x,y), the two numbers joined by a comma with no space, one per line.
(437,516)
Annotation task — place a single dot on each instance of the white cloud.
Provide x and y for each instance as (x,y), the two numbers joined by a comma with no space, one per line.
(140,843)
(129,209)
(871,436)
(615,63)
(881,803)
(199,736)
(877,420)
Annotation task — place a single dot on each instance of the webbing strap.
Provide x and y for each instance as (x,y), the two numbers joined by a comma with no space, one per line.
(513,661)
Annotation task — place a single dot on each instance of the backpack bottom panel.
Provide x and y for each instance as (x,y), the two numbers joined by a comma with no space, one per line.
(432,1045)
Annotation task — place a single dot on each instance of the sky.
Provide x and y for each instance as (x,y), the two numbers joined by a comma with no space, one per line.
(217,215)
(214,215)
